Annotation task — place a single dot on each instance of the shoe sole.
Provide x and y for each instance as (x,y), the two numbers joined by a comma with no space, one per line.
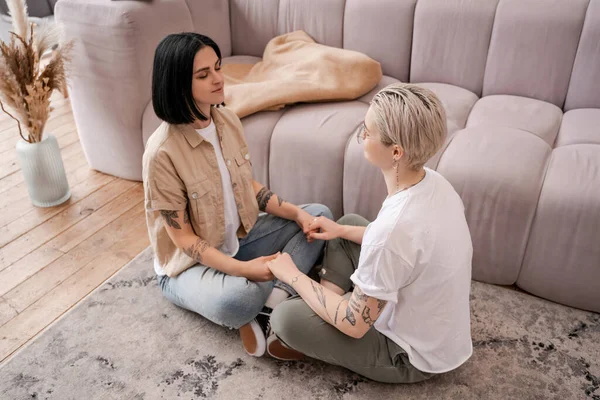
(277,350)
(249,334)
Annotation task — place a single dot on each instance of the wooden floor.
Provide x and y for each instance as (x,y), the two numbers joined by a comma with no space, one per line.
(51,258)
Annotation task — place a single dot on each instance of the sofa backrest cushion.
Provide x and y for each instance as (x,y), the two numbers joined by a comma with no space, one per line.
(533,48)
(584,88)
(254,23)
(211,18)
(383,30)
(451,41)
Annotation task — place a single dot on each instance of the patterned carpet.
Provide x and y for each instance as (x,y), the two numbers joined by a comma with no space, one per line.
(126,342)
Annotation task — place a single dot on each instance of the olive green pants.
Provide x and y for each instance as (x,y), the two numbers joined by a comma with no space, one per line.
(299,327)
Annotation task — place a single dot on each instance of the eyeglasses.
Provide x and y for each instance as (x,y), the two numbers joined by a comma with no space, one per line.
(363,135)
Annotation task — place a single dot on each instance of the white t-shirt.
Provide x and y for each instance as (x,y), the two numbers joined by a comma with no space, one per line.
(417,255)
(231,245)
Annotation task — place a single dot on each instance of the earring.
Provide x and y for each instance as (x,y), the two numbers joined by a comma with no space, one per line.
(397,175)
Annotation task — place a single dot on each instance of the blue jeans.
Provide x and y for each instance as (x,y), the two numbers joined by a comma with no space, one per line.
(233,301)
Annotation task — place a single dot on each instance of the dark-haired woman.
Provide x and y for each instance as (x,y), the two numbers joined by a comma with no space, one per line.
(202,205)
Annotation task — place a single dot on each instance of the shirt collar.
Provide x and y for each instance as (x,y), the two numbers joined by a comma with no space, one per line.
(192,137)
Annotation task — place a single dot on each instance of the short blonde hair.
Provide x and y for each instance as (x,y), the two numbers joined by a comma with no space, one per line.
(411,117)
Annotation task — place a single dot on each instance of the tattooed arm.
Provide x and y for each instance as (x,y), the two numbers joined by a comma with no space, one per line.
(179,229)
(271,203)
(353,317)
(275,205)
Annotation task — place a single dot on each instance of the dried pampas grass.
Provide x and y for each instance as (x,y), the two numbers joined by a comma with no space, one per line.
(26,86)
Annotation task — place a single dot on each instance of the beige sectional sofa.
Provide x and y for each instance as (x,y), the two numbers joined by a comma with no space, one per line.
(520,80)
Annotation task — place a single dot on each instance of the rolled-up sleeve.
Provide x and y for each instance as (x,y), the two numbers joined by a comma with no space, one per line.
(381,273)
(163,187)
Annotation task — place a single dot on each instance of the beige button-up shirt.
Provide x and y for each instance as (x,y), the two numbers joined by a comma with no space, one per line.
(180,171)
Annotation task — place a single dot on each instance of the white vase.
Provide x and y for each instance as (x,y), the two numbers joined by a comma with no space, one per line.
(44,172)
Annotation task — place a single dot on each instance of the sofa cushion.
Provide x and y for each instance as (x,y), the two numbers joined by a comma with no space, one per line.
(258,129)
(533,47)
(322,20)
(307,152)
(580,127)
(214,23)
(584,87)
(451,41)
(393,22)
(253,24)
(498,172)
(561,262)
(534,116)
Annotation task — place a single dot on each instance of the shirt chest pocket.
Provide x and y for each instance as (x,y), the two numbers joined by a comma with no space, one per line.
(200,204)
(242,159)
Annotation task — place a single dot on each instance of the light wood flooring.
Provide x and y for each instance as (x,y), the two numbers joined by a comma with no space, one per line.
(52,258)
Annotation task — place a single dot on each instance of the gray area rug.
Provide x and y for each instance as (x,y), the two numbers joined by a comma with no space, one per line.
(126,342)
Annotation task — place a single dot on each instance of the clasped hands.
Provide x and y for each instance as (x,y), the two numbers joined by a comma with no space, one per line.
(316,228)
(280,265)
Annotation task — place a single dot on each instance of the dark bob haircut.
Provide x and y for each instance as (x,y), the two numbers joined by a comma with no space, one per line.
(172,77)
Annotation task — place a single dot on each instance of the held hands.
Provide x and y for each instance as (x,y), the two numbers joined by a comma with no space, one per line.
(303,219)
(283,268)
(322,228)
(256,270)
(318,228)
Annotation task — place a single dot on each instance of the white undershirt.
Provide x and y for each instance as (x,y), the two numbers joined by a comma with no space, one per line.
(232,219)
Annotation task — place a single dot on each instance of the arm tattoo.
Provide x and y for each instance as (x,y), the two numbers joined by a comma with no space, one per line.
(186,217)
(262,197)
(280,200)
(360,295)
(169,217)
(355,306)
(381,304)
(195,251)
(318,289)
(366,316)
(350,317)
(336,312)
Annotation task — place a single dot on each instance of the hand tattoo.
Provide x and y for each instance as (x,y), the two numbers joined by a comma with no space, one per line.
(169,217)
(350,317)
(195,251)
(366,316)
(318,289)
(263,197)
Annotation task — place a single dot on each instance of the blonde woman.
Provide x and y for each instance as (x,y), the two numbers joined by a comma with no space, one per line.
(407,318)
